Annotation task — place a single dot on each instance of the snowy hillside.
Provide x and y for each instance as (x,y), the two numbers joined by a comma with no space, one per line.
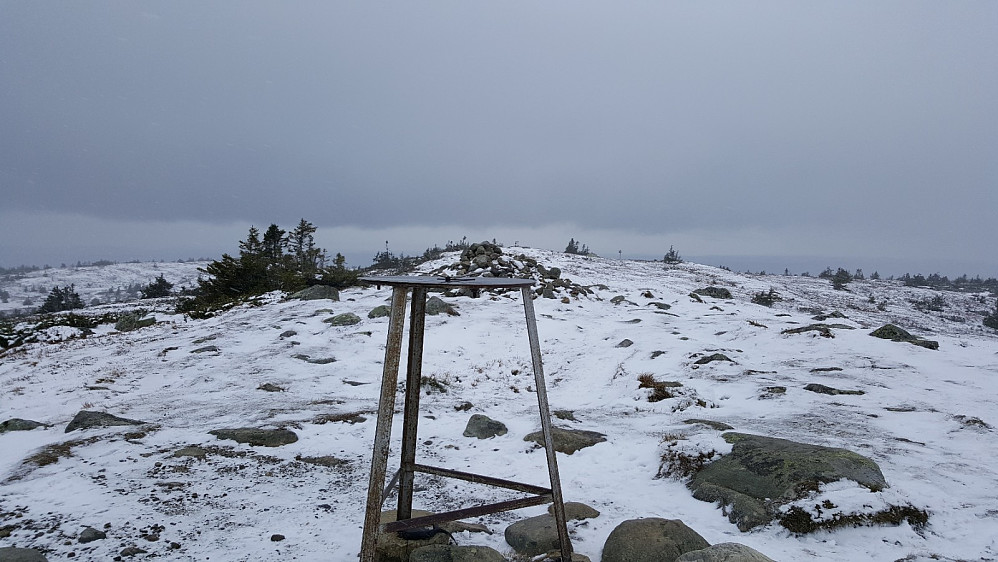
(107,283)
(178,493)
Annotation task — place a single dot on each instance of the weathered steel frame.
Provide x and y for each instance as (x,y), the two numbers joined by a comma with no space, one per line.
(377,491)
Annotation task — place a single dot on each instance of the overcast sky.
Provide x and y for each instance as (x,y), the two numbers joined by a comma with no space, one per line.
(856,130)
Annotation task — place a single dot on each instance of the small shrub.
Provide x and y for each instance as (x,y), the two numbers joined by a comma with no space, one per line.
(991,321)
(766,298)
(659,388)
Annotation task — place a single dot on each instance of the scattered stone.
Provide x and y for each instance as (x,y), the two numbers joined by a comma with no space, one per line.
(288,334)
(651,540)
(276,537)
(822,329)
(696,298)
(206,349)
(345,319)
(648,295)
(86,419)
(17,424)
(317,292)
(773,390)
(484,427)
(822,389)
(254,436)
(346,417)
(327,461)
(128,322)
(14,554)
(269,387)
(90,535)
(568,441)
(762,473)
(619,299)
(567,415)
(533,536)
(131,551)
(714,292)
(660,305)
(657,353)
(725,552)
(314,361)
(719,426)
(894,333)
(192,451)
(825,369)
(625,343)
(823,317)
(464,406)
(380,311)
(436,305)
(454,553)
(712,358)
(576,511)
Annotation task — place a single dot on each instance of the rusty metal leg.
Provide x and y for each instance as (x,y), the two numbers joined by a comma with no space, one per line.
(410,417)
(542,404)
(383,432)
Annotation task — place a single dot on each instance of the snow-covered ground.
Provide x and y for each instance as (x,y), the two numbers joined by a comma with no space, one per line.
(918,418)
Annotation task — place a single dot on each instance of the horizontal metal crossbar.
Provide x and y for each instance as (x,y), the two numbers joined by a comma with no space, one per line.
(435,518)
(480,479)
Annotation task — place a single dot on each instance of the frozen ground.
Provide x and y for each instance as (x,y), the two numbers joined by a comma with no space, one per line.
(918,417)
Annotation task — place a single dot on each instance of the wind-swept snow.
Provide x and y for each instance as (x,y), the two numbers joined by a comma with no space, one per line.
(925,416)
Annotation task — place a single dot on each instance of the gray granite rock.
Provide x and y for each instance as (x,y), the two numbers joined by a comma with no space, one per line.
(86,419)
(258,437)
(651,540)
(484,427)
(725,552)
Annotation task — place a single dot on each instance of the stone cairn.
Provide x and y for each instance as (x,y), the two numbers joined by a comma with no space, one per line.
(485,259)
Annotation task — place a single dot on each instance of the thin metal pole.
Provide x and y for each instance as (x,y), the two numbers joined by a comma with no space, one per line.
(410,416)
(383,431)
(542,404)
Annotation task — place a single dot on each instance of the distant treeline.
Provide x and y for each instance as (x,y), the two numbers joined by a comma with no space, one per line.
(943,283)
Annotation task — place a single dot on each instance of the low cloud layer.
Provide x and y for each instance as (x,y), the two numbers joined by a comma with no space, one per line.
(847,129)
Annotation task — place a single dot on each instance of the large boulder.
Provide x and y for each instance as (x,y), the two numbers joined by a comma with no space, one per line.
(762,473)
(86,419)
(345,319)
(651,540)
(568,440)
(18,424)
(894,333)
(14,554)
(725,552)
(533,536)
(484,427)
(258,437)
(436,305)
(714,292)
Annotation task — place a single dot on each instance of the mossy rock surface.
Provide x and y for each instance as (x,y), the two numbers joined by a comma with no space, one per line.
(762,473)
(895,333)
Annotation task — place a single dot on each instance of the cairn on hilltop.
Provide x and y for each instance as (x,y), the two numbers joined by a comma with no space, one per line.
(485,259)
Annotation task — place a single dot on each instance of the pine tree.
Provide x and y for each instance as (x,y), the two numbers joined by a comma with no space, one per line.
(160,287)
(672,256)
(60,299)
(573,247)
